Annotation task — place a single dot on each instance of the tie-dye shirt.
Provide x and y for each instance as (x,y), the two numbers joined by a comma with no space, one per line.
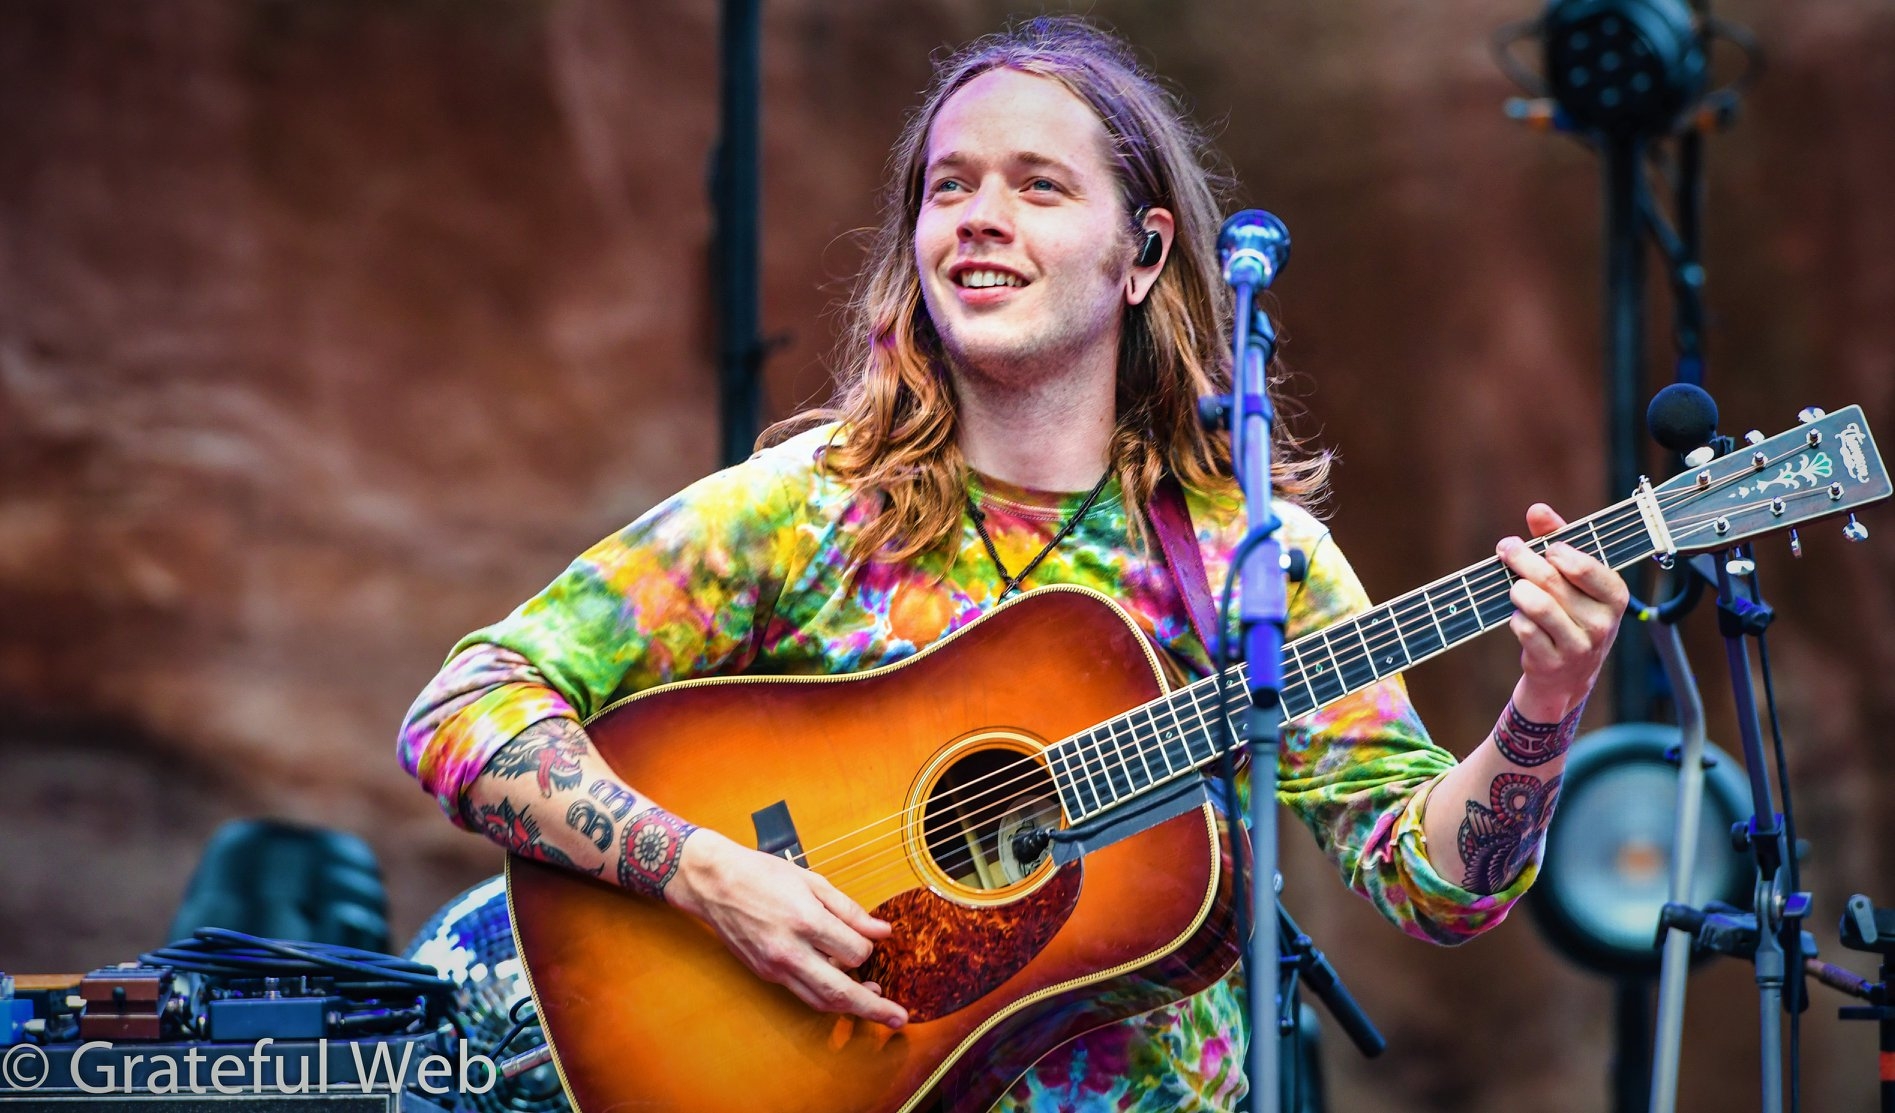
(746,572)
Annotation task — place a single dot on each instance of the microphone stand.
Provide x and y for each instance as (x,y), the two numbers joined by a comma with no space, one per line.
(1255,245)
(1770,934)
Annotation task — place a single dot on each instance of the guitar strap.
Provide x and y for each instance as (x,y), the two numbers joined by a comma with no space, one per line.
(1171,520)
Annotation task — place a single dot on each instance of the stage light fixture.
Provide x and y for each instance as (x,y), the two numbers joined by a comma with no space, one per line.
(1629,68)
(1607,870)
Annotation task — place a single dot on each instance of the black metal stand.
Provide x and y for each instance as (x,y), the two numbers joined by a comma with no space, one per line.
(1868,928)
(734,191)
(1770,934)
(1625,378)
(1303,963)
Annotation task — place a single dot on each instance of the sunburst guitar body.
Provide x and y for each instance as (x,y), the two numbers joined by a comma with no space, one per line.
(908,787)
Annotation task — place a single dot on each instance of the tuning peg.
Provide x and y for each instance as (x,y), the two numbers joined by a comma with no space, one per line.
(1855,531)
(1810,413)
(1698,457)
(1796,545)
(1740,566)
(1754,437)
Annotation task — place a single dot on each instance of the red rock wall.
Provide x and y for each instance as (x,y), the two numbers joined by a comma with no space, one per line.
(329,330)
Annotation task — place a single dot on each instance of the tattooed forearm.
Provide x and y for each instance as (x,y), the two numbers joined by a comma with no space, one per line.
(549,750)
(1497,838)
(1528,743)
(539,773)
(519,832)
(591,823)
(652,848)
(616,798)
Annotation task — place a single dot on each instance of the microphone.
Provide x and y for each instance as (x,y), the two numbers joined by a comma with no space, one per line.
(1682,417)
(1253,246)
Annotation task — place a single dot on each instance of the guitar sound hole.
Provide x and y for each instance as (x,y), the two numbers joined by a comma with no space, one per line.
(986,817)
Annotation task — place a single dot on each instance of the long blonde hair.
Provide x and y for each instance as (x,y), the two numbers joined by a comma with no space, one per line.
(895,400)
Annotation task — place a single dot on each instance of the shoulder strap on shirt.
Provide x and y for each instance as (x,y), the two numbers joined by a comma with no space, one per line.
(1171,519)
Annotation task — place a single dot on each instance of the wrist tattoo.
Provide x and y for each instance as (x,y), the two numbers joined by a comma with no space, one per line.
(653,846)
(549,750)
(1525,742)
(1497,838)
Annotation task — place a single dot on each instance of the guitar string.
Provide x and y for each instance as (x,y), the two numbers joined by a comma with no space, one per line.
(1346,663)
(888,860)
(869,863)
(1030,771)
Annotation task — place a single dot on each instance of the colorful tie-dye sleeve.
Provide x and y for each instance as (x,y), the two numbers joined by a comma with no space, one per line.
(1358,774)
(676,594)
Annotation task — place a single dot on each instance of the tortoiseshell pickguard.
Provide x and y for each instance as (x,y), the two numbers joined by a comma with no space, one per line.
(943,956)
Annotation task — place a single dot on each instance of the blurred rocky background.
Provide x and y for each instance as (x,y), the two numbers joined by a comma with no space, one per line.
(331,329)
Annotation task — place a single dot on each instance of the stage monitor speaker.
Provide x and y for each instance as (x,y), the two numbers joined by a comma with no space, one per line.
(1607,871)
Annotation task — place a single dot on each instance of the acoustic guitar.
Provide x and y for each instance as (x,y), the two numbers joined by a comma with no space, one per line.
(1023,802)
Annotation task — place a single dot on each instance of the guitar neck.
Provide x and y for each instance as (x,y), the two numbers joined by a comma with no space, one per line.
(1177,734)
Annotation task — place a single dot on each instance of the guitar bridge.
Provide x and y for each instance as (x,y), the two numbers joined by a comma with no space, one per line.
(776,833)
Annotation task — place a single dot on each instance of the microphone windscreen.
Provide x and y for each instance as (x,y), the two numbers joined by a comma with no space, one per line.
(1682,417)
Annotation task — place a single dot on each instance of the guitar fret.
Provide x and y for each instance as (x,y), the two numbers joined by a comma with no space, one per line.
(1197,706)
(1501,605)
(1438,631)
(1461,622)
(1139,746)
(1636,545)
(1333,673)
(1136,766)
(1165,735)
(1088,781)
(1368,652)
(1598,547)
(1358,672)
(1386,664)
(1114,764)
(1301,677)
(1163,731)
(1120,763)
(1066,802)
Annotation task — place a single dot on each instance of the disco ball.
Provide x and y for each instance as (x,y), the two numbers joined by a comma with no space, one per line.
(470,941)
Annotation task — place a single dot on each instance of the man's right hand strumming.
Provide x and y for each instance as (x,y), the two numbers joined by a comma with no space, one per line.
(787,924)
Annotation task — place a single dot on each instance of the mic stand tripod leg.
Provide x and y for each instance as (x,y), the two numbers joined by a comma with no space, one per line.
(1684,855)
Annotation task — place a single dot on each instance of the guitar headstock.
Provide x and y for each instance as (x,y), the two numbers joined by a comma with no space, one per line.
(1825,466)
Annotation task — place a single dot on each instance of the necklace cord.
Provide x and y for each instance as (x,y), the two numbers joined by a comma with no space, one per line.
(1012,583)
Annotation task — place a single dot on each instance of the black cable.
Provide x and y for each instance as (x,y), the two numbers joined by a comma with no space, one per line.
(1794,944)
(380,992)
(519,1024)
(222,952)
(1293,1062)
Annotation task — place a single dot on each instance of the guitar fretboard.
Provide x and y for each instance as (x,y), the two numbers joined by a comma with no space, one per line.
(1178,733)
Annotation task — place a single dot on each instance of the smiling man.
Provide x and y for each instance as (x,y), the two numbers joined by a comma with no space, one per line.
(1036,320)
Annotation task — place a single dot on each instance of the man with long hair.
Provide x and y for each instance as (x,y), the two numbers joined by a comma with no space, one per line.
(1038,315)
